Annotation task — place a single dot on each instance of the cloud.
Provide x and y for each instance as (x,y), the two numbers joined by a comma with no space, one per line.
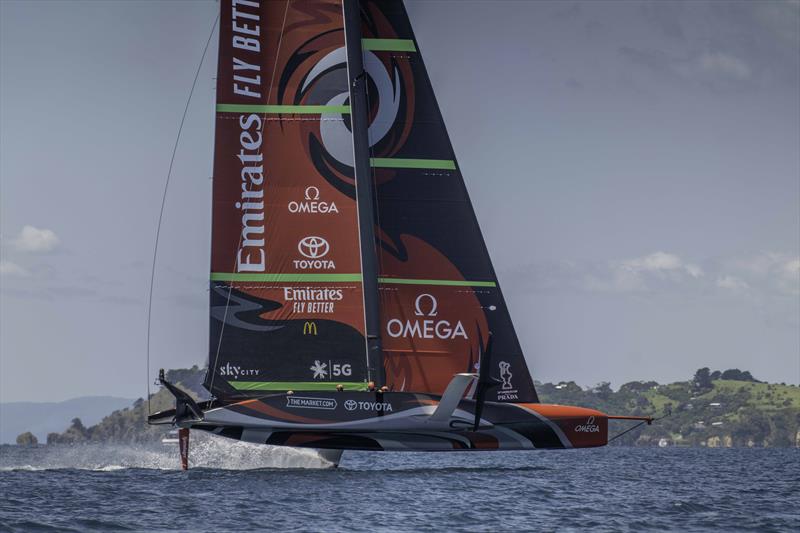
(7,268)
(658,271)
(711,67)
(779,19)
(757,276)
(791,268)
(35,240)
(645,273)
(790,276)
(732,283)
(774,271)
(722,45)
(726,65)
(660,262)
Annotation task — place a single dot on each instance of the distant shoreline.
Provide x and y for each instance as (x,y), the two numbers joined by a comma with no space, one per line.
(714,409)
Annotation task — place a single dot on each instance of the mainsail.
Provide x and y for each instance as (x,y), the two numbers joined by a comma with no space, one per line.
(287,287)
(439,293)
(286,299)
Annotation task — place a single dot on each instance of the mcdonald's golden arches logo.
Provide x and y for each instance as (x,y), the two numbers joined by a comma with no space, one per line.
(310,328)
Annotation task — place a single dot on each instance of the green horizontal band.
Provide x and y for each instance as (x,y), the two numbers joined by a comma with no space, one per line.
(295,385)
(394,162)
(445,282)
(276,277)
(352,278)
(285,109)
(388,45)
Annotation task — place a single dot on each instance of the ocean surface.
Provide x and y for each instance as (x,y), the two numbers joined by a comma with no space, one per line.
(239,487)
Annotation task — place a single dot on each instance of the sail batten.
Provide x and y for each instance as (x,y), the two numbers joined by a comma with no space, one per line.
(280,276)
(443,282)
(283,109)
(295,386)
(389,45)
(406,162)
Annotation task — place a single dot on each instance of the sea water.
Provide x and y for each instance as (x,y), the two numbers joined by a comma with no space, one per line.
(234,486)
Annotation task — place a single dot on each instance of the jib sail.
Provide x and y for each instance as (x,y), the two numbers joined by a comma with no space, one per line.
(286,298)
(439,296)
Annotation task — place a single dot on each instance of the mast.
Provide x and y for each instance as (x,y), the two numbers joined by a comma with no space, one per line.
(364,190)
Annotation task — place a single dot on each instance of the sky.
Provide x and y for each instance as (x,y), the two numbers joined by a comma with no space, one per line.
(634,167)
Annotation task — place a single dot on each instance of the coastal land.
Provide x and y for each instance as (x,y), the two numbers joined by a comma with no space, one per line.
(713,409)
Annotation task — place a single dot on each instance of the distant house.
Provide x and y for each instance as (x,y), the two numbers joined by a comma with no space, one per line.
(716,423)
(715,404)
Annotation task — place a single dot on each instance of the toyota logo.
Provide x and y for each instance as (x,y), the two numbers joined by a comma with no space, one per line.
(350,405)
(313,247)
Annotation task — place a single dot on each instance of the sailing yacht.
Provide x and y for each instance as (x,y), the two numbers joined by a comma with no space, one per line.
(353,302)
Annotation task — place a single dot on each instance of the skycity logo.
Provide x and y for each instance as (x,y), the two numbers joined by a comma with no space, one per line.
(312,204)
(235,372)
(429,327)
(588,427)
(314,248)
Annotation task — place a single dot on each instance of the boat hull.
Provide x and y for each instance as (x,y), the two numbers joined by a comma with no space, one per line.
(400,422)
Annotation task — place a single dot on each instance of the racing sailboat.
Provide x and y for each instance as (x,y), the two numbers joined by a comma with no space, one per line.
(353,303)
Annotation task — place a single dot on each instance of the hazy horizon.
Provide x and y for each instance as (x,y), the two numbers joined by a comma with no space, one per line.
(634,167)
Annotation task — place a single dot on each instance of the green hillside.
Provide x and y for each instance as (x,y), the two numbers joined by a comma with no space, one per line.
(129,425)
(704,412)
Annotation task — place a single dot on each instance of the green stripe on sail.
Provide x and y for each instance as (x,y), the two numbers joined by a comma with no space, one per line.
(282,109)
(295,385)
(446,282)
(395,162)
(275,277)
(388,45)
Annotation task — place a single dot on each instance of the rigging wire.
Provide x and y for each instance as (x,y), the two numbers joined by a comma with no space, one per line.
(213,367)
(164,201)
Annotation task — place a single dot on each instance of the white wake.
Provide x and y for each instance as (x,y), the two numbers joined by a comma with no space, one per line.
(205,451)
